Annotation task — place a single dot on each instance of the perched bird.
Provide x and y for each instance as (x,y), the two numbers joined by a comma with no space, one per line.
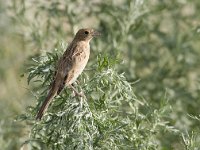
(70,66)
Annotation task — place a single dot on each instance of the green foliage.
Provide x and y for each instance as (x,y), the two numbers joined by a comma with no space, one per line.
(8,128)
(155,43)
(108,118)
(191,141)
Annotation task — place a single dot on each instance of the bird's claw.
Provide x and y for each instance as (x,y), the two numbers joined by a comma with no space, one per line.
(80,94)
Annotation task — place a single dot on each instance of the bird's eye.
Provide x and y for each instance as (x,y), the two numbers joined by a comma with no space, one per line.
(86,32)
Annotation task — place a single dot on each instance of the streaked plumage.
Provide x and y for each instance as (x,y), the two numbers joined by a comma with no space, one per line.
(70,65)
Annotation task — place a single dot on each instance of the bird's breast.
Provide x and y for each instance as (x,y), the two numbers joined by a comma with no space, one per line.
(80,61)
(82,55)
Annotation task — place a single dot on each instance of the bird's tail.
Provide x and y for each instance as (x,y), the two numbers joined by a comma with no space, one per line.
(46,102)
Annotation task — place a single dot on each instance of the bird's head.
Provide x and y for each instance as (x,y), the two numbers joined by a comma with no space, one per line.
(86,34)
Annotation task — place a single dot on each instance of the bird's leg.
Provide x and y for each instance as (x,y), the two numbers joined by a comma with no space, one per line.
(77,82)
(76,92)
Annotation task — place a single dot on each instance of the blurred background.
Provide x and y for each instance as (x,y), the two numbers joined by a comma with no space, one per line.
(157,40)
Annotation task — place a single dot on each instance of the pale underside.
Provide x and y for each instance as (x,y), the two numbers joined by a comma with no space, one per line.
(72,64)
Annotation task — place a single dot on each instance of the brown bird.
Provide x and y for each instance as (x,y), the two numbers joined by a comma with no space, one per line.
(70,66)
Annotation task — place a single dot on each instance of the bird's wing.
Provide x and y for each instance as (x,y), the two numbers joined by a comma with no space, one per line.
(66,64)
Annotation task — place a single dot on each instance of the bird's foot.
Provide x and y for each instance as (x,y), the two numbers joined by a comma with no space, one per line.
(76,93)
(80,94)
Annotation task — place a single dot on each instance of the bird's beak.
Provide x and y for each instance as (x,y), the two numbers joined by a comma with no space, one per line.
(96,33)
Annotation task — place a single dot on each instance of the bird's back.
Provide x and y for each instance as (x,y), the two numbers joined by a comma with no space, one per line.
(70,65)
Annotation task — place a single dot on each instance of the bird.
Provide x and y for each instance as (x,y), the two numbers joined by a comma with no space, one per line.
(69,66)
